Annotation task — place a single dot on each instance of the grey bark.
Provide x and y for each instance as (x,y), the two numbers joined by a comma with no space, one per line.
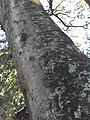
(2,114)
(54,74)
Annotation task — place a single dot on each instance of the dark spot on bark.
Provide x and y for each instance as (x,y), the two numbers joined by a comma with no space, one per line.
(32,58)
(20,53)
(24,37)
(56,99)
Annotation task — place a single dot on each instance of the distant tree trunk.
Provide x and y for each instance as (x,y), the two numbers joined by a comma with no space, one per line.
(54,74)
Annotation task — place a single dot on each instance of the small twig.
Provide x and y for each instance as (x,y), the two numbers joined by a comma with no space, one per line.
(57,6)
(63,14)
(84,26)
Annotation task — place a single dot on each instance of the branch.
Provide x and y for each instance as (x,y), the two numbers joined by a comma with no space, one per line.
(83,26)
(57,6)
(62,14)
(50,6)
(53,11)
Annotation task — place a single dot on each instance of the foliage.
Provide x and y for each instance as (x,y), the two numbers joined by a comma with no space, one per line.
(9,85)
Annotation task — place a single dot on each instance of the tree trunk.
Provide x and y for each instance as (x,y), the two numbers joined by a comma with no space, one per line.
(54,74)
(88,2)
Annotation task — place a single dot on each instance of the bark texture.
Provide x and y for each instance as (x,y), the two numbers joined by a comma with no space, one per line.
(2,114)
(54,74)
